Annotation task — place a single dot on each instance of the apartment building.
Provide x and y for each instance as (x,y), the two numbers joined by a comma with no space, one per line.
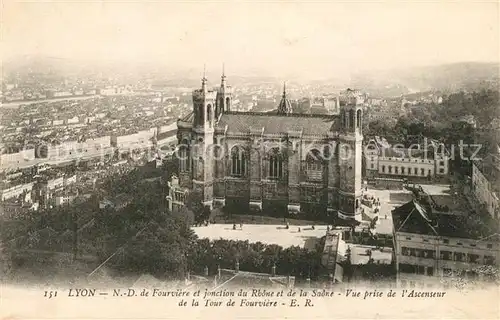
(17,160)
(15,191)
(430,245)
(486,183)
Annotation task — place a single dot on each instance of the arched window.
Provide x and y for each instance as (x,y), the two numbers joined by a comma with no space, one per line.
(383,168)
(209,115)
(314,165)
(228,104)
(183,159)
(390,169)
(238,162)
(358,118)
(275,164)
(201,116)
(352,118)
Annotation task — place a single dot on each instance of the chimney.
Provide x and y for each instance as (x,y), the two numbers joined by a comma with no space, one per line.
(237,266)
(206,271)
(273,270)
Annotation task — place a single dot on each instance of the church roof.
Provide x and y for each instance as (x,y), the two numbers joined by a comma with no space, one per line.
(188,118)
(243,122)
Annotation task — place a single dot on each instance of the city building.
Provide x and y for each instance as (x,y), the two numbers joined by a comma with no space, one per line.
(486,183)
(333,254)
(469,119)
(15,191)
(17,160)
(384,160)
(274,162)
(117,202)
(353,96)
(431,242)
(176,195)
(319,105)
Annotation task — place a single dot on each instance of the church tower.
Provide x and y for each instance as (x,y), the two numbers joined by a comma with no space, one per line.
(204,102)
(350,157)
(285,107)
(224,96)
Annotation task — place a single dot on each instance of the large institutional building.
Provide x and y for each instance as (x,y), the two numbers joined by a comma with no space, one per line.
(275,162)
(383,160)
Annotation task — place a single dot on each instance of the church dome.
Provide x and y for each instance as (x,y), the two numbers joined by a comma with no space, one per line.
(285,106)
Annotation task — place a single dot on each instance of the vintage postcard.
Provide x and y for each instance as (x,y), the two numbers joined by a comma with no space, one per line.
(249,160)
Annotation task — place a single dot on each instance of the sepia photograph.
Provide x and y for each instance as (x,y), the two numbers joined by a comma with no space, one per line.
(250,160)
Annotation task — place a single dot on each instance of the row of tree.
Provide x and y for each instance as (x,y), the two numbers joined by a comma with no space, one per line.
(144,237)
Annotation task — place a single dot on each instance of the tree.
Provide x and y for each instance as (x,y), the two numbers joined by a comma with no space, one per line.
(5,262)
(484,274)
(194,202)
(170,166)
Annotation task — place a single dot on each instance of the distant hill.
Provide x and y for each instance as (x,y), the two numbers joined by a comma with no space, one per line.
(38,64)
(456,76)
(446,77)
(385,83)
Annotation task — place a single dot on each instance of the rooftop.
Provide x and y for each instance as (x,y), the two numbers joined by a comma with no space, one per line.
(243,122)
(415,217)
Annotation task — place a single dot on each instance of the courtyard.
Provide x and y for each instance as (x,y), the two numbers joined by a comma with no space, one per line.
(391,199)
(267,234)
(307,237)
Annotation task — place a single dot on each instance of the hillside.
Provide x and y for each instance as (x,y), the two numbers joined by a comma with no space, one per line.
(447,77)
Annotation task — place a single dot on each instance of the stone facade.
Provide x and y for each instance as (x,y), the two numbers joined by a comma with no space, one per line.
(276,162)
(383,160)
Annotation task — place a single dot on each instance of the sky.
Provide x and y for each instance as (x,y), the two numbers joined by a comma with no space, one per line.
(270,37)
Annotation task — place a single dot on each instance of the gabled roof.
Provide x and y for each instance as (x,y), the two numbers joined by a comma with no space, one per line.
(412,217)
(243,122)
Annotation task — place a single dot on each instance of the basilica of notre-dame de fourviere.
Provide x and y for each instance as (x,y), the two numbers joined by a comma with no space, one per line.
(276,162)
